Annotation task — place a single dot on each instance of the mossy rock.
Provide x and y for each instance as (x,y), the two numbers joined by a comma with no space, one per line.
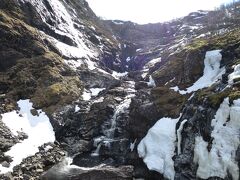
(58,94)
(234,95)
(168,101)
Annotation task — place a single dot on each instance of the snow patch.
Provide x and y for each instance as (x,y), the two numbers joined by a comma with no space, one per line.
(117,75)
(96,91)
(77,108)
(86,95)
(132,145)
(226,139)
(38,128)
(158,146)
(128,59)
(151,82)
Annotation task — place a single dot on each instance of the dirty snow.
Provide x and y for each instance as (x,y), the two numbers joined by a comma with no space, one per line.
(38,129)
(221,158)
(158,146)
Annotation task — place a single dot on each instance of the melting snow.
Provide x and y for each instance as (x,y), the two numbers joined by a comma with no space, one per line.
(158,146)
(221,158)
(38,129)
(212,72)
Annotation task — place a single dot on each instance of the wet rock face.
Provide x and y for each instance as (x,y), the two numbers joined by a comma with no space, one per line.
(101,173)
(77,129)
(199,116)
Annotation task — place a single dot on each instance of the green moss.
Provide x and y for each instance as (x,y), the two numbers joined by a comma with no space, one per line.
(168,101)
(217,98)
(234,95)
(197,44)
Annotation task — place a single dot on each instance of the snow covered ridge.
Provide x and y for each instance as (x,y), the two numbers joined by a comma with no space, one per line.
(212,72)
(38,129)
(158,146)
(226,138)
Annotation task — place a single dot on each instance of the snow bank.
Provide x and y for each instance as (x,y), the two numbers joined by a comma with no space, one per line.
(38,129)
(221,158)
(158,146)
(234,75)
(212,72)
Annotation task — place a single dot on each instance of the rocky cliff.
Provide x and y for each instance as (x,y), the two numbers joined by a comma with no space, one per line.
(83,98)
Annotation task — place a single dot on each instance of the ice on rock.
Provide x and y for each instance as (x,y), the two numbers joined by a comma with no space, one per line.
(220,160)
(38,128)
(179,135)
(158,146)
(212,72)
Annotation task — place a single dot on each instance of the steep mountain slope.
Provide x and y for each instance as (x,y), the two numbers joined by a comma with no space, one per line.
(82,98)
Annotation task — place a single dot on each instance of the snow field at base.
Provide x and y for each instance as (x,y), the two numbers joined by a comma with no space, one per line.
(212,72)
(226,138)
(38,128)
(158,146)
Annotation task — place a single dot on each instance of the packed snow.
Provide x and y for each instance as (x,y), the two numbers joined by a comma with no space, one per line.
(38,128)
(158,146)
(212,72)
(235,74)
(220,160)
